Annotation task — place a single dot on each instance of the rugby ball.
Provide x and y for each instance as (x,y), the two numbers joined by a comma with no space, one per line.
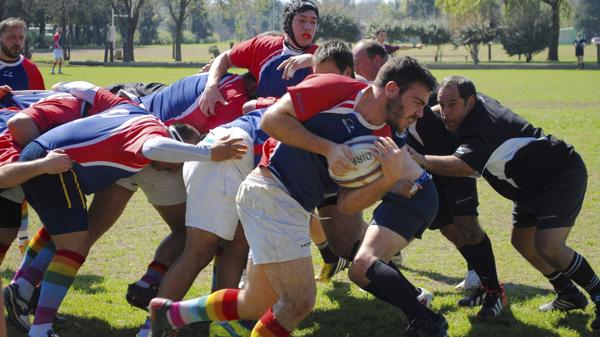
(367,168)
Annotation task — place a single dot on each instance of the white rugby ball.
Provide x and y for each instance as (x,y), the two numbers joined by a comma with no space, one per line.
(367,168)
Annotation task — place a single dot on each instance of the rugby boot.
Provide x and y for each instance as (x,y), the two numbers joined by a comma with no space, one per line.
(471,282)
(439,328)
(17,308)
(158,308)
(139,296)
(474,299)
(596,321)
(494,302)
(328,270)
(425,297)
(566,302)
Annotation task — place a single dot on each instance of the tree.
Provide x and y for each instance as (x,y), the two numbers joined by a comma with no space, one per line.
(149,22)
(419,9)
(557,7)
(131,10)
(180,10)
(526,28)
(435,32)
(472,22)
(333,25)
(587,17)
(200,27)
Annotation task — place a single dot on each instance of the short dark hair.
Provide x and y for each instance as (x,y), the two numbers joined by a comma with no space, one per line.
(466,87)
(405,71)
(336,51)
(188,133)
(12,22)
(380,30)
(373,48)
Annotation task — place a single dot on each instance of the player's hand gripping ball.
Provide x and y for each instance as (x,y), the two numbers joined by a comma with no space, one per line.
(366,168)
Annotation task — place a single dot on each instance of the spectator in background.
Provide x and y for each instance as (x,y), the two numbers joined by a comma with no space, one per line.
(57,51)
(381,35)
(579,46)
(16,71)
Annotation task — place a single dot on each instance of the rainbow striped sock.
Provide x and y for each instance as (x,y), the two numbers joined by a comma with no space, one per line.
(32,275)
(36,244)
(154,274)
(267,326)
(57,279)
(3,250)
(218,306)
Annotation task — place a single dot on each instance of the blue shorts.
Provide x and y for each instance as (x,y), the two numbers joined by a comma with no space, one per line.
(408,217)
(57,198)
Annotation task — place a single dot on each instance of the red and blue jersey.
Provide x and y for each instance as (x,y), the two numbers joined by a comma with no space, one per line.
(21,75)
(261,56)
(22,99)
(59,108)
(178,103)
(105,147)
(332,116)
(250,123)
(9,150)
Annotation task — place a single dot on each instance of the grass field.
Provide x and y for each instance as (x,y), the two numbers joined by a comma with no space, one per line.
(199,53)
(565,103)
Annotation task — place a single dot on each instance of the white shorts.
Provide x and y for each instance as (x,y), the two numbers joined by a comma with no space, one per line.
(162,188)
(14,194)
(58,54)
(275,224)
(211,187)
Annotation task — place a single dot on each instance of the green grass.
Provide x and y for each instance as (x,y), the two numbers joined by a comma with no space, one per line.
(564,102)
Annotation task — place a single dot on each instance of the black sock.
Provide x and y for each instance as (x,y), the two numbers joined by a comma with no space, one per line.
(417,290)
(326,253)
(464,251)
(561,283)
(481,256)
(391,286)
(580,271)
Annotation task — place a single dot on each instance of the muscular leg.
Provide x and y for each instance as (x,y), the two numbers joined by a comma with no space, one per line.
(232,261)
(171,246)
(107,206)
(343,232)
(523,239)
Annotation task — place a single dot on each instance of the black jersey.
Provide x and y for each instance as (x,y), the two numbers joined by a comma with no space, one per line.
(515,157)
(428,135)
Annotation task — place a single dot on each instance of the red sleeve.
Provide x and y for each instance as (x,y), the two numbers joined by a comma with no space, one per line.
(265,102)
(319,92)
(242,54)
(36,81)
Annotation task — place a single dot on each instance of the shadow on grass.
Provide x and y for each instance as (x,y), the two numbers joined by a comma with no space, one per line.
(450,281)
(506,325)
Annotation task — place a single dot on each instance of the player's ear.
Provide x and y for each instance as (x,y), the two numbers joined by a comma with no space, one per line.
(392,89)
(470,102)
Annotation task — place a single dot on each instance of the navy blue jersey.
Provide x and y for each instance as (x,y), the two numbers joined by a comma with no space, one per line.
(21,75)
(251,124)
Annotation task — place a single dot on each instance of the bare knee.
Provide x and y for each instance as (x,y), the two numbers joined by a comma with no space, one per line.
(471,231)
(549,250)
(300,304)
(358,269)
(22,128)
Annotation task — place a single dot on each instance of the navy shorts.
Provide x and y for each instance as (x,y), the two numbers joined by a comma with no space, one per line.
(57,198)
(10,214)
(408,217)
(559,201)
(458,197)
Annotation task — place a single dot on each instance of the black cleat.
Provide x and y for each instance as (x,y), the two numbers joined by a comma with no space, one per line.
(596,321)
(493,303)
(566,302)
(439,328)
(140,297)
(475,299)
(17,308)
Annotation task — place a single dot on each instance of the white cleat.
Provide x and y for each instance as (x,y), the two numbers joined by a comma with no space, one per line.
(425,297)
(471,282)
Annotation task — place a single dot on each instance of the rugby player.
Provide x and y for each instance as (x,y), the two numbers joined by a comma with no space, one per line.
(16,71)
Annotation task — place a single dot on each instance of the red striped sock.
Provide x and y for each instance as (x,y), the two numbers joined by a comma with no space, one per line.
(268,326)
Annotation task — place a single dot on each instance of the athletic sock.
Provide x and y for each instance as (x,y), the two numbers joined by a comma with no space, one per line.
(326,253)
(417,289)
(391,286)
(23,234)
(561,283)
(3,250)
(267,326)
(154,274)
(57,280)
(218,306)
(32,275)
(37,243)
(580,271)
(482,258)
(464,251)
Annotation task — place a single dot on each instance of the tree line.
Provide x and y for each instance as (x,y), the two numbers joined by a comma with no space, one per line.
(523,27)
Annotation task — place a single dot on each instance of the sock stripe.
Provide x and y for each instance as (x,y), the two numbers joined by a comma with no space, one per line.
(268,326)
(575,263)
(229,304)
(175,316)
(71,255)
(593,283)
(158,266)
(202,311)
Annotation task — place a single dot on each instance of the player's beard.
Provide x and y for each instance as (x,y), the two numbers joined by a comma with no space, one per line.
(11,54)
(394,110)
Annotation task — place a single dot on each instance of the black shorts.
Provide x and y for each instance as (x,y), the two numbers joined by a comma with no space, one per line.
(408,217)
(559,201)
(57,198)
(10,214)
(458,197)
